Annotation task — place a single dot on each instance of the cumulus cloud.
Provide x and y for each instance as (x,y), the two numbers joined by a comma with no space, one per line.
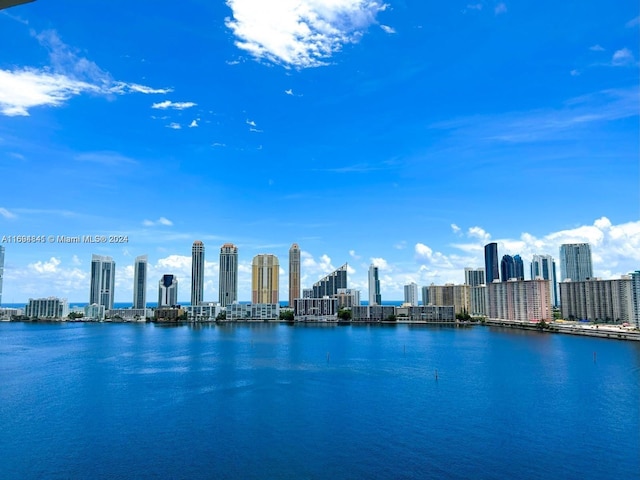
(161,221)
(596,48)
(380,262)
(622,57)
(173,105)
(69,75)
(299,33)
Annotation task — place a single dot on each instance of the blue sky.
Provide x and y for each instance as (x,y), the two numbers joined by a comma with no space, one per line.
(406,134)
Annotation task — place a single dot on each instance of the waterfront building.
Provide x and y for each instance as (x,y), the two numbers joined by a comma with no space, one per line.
(478,300)
(411,294)
(94,312)
(169,314)
(247,312)
(140,282)
(635,295)
(374,286)
(103,273)
(1,270)
(265,276)
(575,262)
(373,313)
(450,294)
(294,273)
(228,279)
(316,309)
(8,313)
(491,262)
(197,272)
(519,300)
(168,291)
(129,314)
(595,300)
(348,298)
(205,312)
(473,277)
(544,267)
(50,308)
(426,313)
(328,286)
(425,295)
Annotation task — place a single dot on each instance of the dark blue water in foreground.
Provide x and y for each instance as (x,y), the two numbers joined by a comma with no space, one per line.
(276,401)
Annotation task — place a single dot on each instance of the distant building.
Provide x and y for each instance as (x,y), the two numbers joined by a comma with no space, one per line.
(348,297)
(474,277)
(265,277)
(8,313)
(94,312)
(103,273)
(425,295)
(294,273)
(511,268)
(411,294)
(47,308)
(328,286)
(425,313)
(598,300)
(140,282)
(129,314)
(168,291)
(197,272)
(575,262)
(478,301)
(373,313)
(491,262)
(169,314)
(519,300)
(247,312)
(316,309)
(450,294)
(544,267)
(635,295)
(205,312)
(374,286)
(228,283)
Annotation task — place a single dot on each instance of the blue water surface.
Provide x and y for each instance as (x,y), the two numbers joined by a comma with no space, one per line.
(110,401)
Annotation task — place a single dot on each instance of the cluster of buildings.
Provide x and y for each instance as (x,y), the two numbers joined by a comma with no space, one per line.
(497,291)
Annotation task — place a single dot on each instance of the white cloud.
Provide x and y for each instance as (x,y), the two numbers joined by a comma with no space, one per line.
(380,262)
(250,123)
(622,57)
(596,48)
(50,266)
(69,75)
(500,8)
(174,126)
(387,29)
(289,92)
(474,6)
(173,105)
(6,213)
(194,123)
(299,33)
(354,255)
(574,73)
(455,228)
(161,221)
(110,159)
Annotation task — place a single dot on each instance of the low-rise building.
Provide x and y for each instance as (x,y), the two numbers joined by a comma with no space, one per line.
(239,312)
(129,314)
(47,308)
(316,309)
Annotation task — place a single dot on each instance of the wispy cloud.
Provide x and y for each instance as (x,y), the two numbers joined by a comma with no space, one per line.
(173,105)
(194,123)
(107,158)
(388,29)
(162,221)
(596,48)
(500,9)
(250,123)
(6,213)
(622,57)
(300,33)
(289,92)
(633,22)
(174,126)
(69,75)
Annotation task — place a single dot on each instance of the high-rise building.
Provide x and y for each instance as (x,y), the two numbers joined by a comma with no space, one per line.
(474,277)
(491,262)
(575,262)
(450,294)
(519,300)
(103,272)
(197,272)
(1,270)
(544,267)
(411,294)
(598,300)
(374,286)
(228,284)
(265,275)
(425,295)
(328,286)
(518,267)
(635,295)
(168,291)
(294,274)
(140,282)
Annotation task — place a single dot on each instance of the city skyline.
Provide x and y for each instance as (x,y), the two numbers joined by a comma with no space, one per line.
(383,136)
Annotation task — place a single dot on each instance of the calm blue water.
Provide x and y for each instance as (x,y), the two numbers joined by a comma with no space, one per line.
(277,401)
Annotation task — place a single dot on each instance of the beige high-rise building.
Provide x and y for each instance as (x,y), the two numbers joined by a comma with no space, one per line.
(265,275)
(519,300)
(294,274)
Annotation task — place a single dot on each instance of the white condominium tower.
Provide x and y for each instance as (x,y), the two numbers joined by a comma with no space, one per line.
(103,272)
(140,282)
(411,294)
(374,286)
(228,281)
(544,267)
(575,262)
(294,274)
(197,272)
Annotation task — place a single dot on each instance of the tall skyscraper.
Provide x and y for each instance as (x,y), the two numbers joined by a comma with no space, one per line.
(328,285)
(544,267)
(374,286)
(197,272)
(635,297)
(140,282)
(168,291)
(411,294)
(575,262)
(265,277)
(294,274)
(491,262)
(518,267)
(474,277)
(228,284)
(103,272)
(1,270)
